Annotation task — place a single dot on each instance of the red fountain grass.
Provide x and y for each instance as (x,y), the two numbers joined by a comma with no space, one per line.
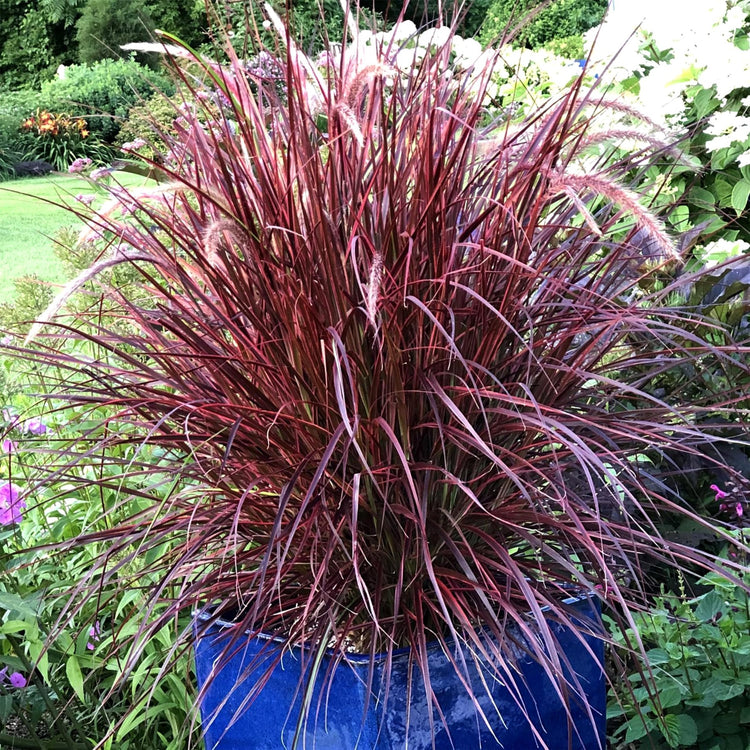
(398,357)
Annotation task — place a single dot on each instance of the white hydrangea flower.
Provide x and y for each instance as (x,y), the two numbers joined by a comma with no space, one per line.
(728,69)
(726,128)
(744,159)
(408,57)
(403,31)
(661,91)
(436,37)
(467,52)
(721,250)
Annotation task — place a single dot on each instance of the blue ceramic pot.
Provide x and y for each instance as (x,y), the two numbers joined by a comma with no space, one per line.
(335,721)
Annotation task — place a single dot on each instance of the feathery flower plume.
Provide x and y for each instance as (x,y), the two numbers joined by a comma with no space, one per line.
(352,94)
(120,256)
(348,117)
(221,233)
(561,182)
(657,144)
(373,288)
(159,47)
(617,105)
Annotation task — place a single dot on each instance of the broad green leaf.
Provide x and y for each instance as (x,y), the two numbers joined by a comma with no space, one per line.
(14,626)
(705,102)
(657,656)
(670,728)
(727,723)
(702,197)
(670,696)
(740,194)
(75,677)
(710,605)
(686,733)
(679,217)
(40,658)
(637,729)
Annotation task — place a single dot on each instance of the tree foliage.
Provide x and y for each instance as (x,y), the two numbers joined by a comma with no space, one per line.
(540,25)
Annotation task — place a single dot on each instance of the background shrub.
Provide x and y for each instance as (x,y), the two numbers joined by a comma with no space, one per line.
(106,24)
(561,19)
(150,121)
(104,92)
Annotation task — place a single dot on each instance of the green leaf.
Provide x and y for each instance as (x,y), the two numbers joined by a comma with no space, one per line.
(6,707)
(657,656)
(727,723)
(745,715)
(637,728)
(14,603)
(702,197)
(740,194)
(75,677)
(679,729)
(679,217)
(711,604)
(670,696)
(705,102)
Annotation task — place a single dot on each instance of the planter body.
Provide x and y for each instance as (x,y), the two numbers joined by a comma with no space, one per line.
(335,720)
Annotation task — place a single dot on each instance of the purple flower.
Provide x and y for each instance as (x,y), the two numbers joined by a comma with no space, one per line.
(10,416)
(79,165)
(17,680)
(720,494)
(8,446)
(11,504)
(6,340)
(95,633)
(35,426)
(738,509)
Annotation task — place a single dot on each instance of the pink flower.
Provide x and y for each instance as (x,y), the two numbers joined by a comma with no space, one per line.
(17,680)
(101,173)
(86,199)
(35,426)
(95,633)
(79,165)
(738,509)
(720,494)
(8,446)
(11,504)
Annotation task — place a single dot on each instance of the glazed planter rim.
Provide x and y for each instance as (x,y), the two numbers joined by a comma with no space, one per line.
(358,657)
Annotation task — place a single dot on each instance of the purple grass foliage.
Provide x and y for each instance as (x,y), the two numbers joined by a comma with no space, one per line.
(401,360)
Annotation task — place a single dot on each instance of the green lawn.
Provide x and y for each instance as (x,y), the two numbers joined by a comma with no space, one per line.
(30,215)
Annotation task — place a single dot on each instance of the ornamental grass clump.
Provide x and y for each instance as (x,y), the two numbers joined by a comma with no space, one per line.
(396,357)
